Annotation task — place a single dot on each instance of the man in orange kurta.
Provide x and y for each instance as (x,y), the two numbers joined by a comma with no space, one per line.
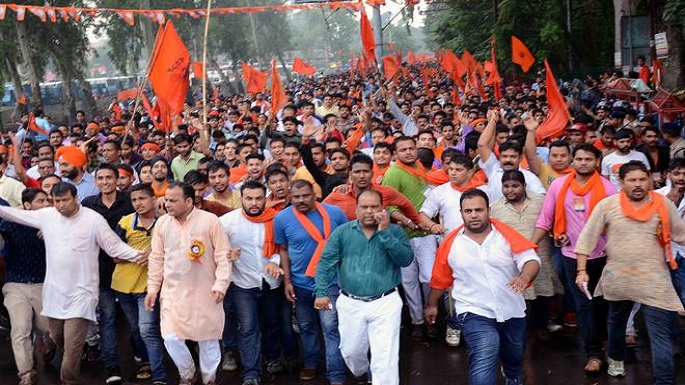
(189,268)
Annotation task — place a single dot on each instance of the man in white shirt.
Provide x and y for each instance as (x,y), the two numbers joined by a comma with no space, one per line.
(73,237)
(255,289)
(623,154)
(510,155)
(488,265)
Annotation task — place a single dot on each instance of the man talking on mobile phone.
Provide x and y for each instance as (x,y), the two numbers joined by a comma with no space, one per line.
(367,255)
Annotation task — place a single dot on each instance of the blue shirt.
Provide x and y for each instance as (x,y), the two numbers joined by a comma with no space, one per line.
(288,231)
(24,253)
(85,188)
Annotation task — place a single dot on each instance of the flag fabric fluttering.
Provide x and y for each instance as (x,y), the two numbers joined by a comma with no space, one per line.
(494,78)
(302,67)
(368,41)
(199,70)
(390,67)
(169,70)
(278,97)
(520,54)
(554,125)
(254,79)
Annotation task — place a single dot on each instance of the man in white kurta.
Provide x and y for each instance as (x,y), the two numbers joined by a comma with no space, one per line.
(73,237)
(189,269)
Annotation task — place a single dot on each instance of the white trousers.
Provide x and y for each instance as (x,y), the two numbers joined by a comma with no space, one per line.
(374,325)
(630,325)
(210,357)
(416,277)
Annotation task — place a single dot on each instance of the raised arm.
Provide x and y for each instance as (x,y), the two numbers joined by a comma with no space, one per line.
(529,149)
(487,137)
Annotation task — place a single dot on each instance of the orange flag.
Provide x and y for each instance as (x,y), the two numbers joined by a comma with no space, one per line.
(520,54)
(391,47)
(33,126)
(470,62)
(494,79)
(656,75)
(116,108)
(368,41)
(278,97)
(22,99)
(557,115)
(411,58)
(256,80)
(390,66)
(130,93)
(302,67)
(148,108)
(169,69)
(199,69)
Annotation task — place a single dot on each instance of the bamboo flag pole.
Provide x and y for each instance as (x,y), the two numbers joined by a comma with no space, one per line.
(204,65)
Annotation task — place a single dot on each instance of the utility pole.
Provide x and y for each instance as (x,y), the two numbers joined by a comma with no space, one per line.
(378,35)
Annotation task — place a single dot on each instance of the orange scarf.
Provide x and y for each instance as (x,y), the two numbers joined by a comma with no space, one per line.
(470,185)
(315,235)
(594,186)
(417,171)
(441,277)
(565,171)
(601,146)
(378,173)
(656,205)
(267,218)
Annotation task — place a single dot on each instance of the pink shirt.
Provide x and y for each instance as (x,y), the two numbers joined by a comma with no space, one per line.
(575,216)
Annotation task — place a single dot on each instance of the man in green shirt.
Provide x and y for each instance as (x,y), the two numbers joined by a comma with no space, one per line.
(367,255)
(187,159)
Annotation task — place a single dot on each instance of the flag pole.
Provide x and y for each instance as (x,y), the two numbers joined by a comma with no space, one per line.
(204,61)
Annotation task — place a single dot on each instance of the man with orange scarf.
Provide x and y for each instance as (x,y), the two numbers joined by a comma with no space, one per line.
(569,202)
(301,231)
(488,265)
(639,225)
(255,290)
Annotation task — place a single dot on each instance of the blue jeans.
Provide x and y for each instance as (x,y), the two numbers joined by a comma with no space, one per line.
(291,350)
(659,324)
(107,320)
(145,332)
(229,339)
(309,333)
(258,311)
(569,303)
(678,277)
(590,314)
(490,341)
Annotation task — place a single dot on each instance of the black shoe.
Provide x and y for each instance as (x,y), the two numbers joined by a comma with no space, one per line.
(91,353)
(113,375)
(362,380)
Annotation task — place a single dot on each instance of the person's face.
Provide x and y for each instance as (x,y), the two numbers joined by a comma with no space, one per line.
(368,205)
(448,132)
(501,137)
(422,123)
(377,136)
(574,137)
(339,162)
(479,127)
(126,151)
(279,186)
(145,175)
(457,173)
(124,182)
(425,140)
(253,201)
(252,143)
(509,160)
(202,168)
(67,170)
(302,198)
(623,145)
(148,153)
(110,153)
(382,156)
(46,167)
(66,204)
(159,139)
(46,153)
(308,110)
(47,183)
(218,180)
(255,168)
(406,152)
(26,149)
(80,117)
(585,162)
(291,156)
(405,109)
(559,158)
(513,191)
(276,149)
(175,204)
(677,178)
(290,128)
(319,156)
(229,151)
(650,138)
(200,189)
(327,101)
(344,112)
(476,215)
(160,171)
(40,201)
(106,181)
(142,202)
(636,184)
(183,148)
(590,136)
(244,152)
(360,175)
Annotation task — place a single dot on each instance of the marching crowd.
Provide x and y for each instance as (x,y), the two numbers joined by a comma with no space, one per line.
(243,240)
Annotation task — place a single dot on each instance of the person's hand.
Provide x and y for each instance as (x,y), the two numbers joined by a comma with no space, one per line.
(430,314)
(273,270)
(218,296)
(530,123)
(160,205)
(519,283)
(562,240)
(342,189)
(493,115)
(290,292)
(383,220)
(582,280)
(323,303)
(233,254)
(675,195)
(437,228)
(272,203)
(464,119)
(40,234)
(143,256)
(150,300)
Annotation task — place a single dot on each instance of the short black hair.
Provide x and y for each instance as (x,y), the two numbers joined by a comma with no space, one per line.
(195,177)
(63,188)
(361,158)
(461,159)
(146,188)
(511,145)
(676,163)
(107,166)
(272,171)
(402,138)
(252,185)
(671,129)
(587,147)
(30,193)
(342,151)
(514,175)
(116,143)
(217,165)
(300,183)
(560,144)
(474,193)
(254,155)
(180,138)
(187,189)
(633,165)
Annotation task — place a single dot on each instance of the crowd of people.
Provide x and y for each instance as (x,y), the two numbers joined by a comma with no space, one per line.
(242,240)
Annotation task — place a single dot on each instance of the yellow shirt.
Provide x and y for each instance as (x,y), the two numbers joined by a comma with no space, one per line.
(131,277)
(232,203)
(548,175)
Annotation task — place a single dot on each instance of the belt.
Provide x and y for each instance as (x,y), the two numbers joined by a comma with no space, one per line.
(368,299)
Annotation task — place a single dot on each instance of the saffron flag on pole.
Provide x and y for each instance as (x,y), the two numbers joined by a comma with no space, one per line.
(494,78)
(255,79)
(33,126)
(170,69)
(302,67)
(520,54)
(278,97)
(390,67)
(368,41)
(557,116)
(199,69)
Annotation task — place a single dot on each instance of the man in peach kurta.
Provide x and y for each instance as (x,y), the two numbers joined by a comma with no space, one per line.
(189,268)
